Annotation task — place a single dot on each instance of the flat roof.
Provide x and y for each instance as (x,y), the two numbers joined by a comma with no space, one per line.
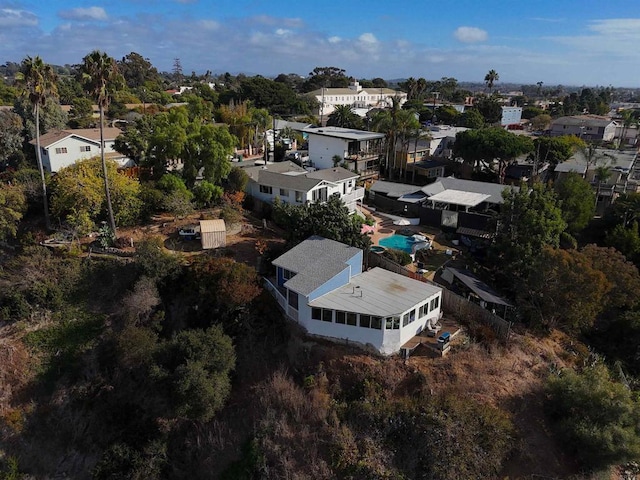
(377,292)
(346,133)
(458,197)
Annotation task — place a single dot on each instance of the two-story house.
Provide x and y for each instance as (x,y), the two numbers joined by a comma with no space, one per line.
(586,127)
(358,150)
(61,148)
(320,284)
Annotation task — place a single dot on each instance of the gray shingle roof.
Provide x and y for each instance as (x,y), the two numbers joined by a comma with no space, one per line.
(335,174)
(586,120)
(494,190)
(292,182)
(315,261)
(278,167)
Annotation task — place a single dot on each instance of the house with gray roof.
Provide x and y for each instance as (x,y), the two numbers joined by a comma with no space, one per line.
(320,285)
(586,127)
(297,186)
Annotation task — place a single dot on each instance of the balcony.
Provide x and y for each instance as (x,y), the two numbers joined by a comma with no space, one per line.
(354,196)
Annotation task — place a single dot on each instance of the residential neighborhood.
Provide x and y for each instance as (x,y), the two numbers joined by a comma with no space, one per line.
(376,272)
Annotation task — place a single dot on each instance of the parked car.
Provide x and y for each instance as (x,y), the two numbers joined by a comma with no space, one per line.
(189,233)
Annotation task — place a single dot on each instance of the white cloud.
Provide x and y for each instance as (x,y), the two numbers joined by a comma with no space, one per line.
(470,34)
(209,24)
(334,39)
(90,13)
(282,32)
(368,38)
(17,18)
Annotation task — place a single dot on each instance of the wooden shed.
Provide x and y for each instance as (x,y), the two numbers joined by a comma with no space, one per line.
(213,234)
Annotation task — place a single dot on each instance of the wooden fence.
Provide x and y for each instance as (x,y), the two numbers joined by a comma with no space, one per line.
(452,303)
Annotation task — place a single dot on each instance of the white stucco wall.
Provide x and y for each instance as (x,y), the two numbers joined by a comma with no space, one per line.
(54,161)
(323,148)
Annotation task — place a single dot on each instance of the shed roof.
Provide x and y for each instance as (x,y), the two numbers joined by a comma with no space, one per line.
(477,286)
(209,226)
(392,189)
(377,292)
(315,261)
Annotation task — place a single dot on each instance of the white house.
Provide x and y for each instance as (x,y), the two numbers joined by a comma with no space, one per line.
(359,150)
(356,97)
(587,127)
(61,148)
(320,284)
(297,186)
(511,116)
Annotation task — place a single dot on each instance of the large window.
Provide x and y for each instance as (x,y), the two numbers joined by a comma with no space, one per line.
(369,321)
(299,197)
(61,150)
(352,319)
(392,323)
(324,314)
(435,303)
(284,192)
(319,195)
(341,317)
(266,189)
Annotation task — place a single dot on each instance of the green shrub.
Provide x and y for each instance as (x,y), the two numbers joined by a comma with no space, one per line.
(399,256)
(597,418)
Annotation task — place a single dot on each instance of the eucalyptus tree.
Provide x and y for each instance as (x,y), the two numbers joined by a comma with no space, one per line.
(37,81)
(100,78)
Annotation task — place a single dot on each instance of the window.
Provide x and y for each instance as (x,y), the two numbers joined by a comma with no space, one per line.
(61,150)
(319,195)
(365,321)
(435,303)
(424,309)
(392,323)
(299,197)
(327,315)
(85,148)
(284,192)
(405,320)
(316,313)
(293,299)
(266,189)
(376,322)
(352,319)
(287,274)
(341,317)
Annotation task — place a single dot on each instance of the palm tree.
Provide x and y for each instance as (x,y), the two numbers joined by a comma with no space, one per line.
(100,78)
(38,81)
(602,174)
(628,120)
(490,78)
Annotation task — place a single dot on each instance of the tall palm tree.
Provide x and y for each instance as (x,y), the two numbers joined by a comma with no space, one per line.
(490,78)
(38,81)
(602,174)
(100,79)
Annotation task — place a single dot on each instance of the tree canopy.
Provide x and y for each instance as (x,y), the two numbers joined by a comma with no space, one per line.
(529,220)
(330,220)
(576,201)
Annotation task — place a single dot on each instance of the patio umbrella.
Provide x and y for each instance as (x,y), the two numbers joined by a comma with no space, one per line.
(402,221)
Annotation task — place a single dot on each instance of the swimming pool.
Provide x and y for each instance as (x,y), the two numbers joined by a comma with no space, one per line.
(399,242)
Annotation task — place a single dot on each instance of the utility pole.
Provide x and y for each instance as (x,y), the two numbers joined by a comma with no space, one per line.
(435,96)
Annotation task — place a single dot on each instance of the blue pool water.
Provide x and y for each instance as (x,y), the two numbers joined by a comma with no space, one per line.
(399,242)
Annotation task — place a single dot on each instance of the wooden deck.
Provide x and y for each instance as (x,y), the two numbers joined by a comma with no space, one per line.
(431,343)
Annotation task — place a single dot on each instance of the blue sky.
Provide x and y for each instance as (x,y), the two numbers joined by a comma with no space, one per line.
(587,42)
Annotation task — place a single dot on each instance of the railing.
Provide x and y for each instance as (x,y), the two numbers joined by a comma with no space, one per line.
(291,312)
(357,194)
